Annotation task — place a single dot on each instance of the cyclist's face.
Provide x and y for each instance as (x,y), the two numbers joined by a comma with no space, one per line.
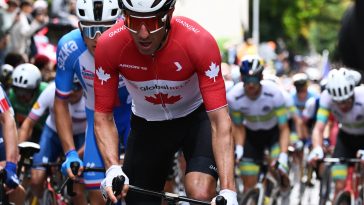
(76,93)
(252,89)
(91,32)
(302,94)
(24,95)
(148,31)
(345,105)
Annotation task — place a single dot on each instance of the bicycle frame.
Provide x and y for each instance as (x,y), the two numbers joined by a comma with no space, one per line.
(267,183)
(353,179)
(351,184)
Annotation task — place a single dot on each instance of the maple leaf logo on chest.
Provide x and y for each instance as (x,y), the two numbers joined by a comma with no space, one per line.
(162,98)
(213,72)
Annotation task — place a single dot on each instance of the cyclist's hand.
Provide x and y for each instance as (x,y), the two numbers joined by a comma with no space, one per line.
(283,163)
(315,154)
(71,156)
(360,154)
(230,197)
(239,152)
(106,184)
(11,180)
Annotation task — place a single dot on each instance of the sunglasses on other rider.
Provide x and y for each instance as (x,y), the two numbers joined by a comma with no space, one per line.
(90,31)
(347,101)
(251,79)
(152,23)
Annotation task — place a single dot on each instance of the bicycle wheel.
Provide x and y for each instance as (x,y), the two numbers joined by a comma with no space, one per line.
(343,198)
(48,198)
(250,197)
(325,186)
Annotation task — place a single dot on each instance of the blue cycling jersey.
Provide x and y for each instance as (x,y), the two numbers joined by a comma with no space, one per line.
(300,104)
(73,57)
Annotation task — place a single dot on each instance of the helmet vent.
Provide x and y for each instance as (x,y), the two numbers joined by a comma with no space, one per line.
(81,12)
(129,2)
(156,3)
(114,12)
(334,92)
(98,7)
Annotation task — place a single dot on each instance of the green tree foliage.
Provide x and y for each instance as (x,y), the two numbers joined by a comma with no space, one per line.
(305,25)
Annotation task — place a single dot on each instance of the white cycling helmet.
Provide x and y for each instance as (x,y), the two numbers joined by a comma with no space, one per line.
(340,84)
(97,10)
(147,6)
(6,70)
(300,79)
(26,76)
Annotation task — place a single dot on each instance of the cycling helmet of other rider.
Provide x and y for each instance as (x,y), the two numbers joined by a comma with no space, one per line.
(340,86)
(96,16)
(251,70)
(300,82)
(152,16)
(26,79)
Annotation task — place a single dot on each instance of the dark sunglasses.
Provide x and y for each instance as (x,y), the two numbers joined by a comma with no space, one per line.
(251,79)
(91,31)
(152,23)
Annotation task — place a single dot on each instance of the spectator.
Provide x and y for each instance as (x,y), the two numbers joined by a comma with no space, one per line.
(45,66)
(23,29)
(3,42)
(14,59)
(64,12)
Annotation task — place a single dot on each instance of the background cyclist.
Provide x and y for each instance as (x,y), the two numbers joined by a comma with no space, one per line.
(259,115)
(173,81)
(50,145)
(25,90)
(345,101)
(9,150)
(75,55)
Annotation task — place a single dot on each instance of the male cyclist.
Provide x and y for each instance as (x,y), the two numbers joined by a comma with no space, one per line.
(9,150)
(178,103)
(259,115)
(26,88)
(345,102)
(75,55)
(50,145)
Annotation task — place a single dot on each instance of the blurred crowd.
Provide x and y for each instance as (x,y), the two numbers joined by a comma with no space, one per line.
(25,26)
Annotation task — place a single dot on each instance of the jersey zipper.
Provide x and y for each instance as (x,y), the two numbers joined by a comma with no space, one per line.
(167,114)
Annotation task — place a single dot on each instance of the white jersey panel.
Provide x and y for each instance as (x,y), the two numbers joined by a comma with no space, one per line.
(87,70)
(164,94)
(352,121)
(258,114)
(46,102)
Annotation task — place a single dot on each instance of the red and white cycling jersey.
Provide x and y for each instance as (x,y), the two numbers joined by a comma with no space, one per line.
(169,84)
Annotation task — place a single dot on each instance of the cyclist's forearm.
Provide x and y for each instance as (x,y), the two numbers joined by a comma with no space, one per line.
(64,124)
(238,134)
(26,130)
(10,137)
(284,137)
(223,147)
(107,138)
(317,134)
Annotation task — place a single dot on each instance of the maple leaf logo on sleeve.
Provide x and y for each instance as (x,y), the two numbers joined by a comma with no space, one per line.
(102,75)
(213,72)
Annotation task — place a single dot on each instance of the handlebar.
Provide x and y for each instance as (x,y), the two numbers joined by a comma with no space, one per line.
(339,160)
(75,166)
(118,183)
